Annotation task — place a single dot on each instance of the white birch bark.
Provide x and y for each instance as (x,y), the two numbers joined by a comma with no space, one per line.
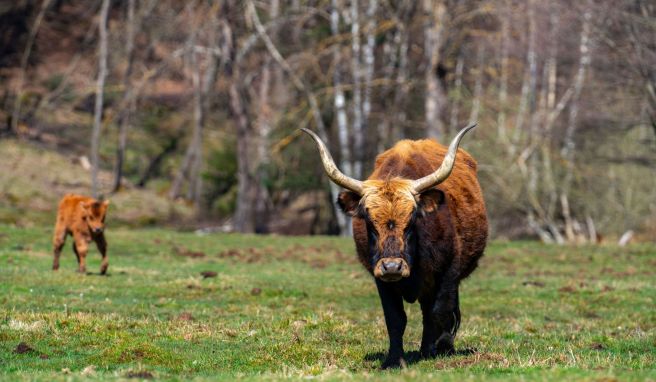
(529,81)
(435,97)
(339,100)
(100,88)
(569,145)
(356,103)
(503,80)
(369,63)
(478,86)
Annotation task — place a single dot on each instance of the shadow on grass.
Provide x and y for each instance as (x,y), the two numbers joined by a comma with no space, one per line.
(99,274)
(413,357)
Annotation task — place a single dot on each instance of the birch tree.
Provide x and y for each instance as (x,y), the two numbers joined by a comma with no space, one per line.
(128,101)
(100,88)
(435,103)
(569,144)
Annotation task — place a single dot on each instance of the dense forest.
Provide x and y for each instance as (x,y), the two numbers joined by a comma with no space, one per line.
(199,102)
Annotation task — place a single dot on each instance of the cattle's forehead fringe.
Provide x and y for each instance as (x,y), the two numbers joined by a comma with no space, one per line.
(389,201)
(98,208)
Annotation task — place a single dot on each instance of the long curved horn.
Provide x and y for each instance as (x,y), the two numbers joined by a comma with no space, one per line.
(443,172)
(331,168)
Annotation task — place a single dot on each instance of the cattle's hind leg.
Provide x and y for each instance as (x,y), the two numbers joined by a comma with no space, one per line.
(446,314)
(58,241)
(430,332)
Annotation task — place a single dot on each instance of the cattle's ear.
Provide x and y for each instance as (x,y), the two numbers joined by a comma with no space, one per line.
(348,201)
(105,203)
(85,205)
(430,200)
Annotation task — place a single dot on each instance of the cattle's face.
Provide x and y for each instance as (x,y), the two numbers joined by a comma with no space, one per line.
(93,214)
(390,209)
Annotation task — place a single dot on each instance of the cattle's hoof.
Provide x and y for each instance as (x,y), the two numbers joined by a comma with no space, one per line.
(427,352)
(394,363)
(444,348)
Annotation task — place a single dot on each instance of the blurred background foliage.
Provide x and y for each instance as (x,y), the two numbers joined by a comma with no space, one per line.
(201,102)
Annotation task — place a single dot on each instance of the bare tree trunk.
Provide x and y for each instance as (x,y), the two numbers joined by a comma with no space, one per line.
(15,114)
(100,88)
(244,218)
(339,99)
(128,101)
(530,78)
(195,148)
(531,100)
(264,122)
(457,92)
(435,102)
(401,89)
(503,80)
(356,102)
(569,145)
(176,185)
(478,87)
(369,67)
(547,107)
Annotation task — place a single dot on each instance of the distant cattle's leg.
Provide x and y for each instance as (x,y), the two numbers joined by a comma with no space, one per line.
(58,241)
(102,247)
(430,332)
(81,247)
(446,314)
(395,320)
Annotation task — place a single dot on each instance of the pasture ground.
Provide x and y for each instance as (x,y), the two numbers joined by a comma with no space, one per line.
(291,308)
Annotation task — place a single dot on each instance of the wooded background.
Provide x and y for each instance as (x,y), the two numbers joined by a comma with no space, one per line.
(199,102)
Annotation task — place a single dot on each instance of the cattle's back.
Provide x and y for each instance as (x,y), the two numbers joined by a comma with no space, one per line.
(69,209)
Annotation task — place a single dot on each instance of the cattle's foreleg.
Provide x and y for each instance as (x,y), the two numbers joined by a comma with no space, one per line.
(395,320)
(81,247)
(102,247)
(58,242)
(446,314)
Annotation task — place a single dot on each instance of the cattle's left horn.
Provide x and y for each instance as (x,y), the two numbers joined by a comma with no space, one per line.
(443,172)
(331,168)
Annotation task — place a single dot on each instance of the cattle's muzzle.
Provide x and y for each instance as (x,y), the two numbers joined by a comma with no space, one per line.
(390,269)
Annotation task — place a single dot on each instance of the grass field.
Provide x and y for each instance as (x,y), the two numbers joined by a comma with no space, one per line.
(292,308)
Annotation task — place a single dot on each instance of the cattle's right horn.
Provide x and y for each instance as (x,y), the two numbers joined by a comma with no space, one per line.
(443,172)
(331,168)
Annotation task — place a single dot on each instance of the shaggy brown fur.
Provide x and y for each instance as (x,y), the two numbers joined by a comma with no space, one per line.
(388,198)
(83,218)
(448,226)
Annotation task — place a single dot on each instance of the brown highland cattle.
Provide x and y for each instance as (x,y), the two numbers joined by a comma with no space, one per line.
(83,218)
(420,226)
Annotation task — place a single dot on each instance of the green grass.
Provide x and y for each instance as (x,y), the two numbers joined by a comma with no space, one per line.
(290,308)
